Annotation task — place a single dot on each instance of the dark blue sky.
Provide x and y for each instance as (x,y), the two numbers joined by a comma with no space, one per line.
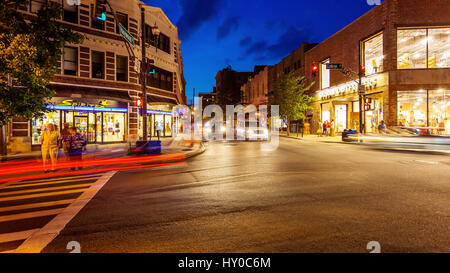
(242,33)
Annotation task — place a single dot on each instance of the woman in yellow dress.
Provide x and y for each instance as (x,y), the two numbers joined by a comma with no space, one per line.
(49,146)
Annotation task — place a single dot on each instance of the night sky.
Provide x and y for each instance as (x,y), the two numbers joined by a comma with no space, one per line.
(242,33)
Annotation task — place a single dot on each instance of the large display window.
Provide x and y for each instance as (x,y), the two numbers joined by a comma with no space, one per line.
(326,114)
(423,48)
(425,108)
(373,54)
(38,126)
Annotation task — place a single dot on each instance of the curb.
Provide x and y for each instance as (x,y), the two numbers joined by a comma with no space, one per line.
(201,150)
(303,139)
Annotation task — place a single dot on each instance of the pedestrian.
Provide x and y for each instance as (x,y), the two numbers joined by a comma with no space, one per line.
(332,127)
(77,142)
(324,128)
(320,131)
(382,127)
(65,140)
(49,147)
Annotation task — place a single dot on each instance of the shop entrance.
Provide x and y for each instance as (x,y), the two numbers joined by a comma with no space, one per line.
(340,114)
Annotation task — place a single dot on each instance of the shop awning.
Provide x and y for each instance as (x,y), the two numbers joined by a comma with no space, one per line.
(163,100)
(91,92)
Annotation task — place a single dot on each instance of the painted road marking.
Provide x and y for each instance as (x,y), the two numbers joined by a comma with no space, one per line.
(29,215)
(40,239)
(44,189)
(40,195)
(47,183)
(15,236)
(37,205)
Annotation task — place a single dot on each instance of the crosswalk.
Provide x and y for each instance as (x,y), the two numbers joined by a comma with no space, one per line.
(28,206)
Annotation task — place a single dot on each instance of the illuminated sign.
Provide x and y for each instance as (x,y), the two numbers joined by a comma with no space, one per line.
(70,102)
(347,88)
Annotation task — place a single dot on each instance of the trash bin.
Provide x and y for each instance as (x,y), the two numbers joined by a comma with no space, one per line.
(152,147)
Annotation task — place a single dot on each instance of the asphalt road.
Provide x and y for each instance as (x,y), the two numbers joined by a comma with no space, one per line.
(303,197)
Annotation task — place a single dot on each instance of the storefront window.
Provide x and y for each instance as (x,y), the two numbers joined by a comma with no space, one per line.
(326,115)
(412,108)
(340,113)
(168,126)
(158,123)
(113,127)
(439,111)
(374,115)
(439,47)
(373,55)
(39,125)
(412,48)
(412,45)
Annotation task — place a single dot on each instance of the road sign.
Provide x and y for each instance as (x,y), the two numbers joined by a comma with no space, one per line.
(334,66)
(125,34)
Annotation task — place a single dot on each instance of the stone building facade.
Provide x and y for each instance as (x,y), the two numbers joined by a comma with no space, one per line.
(255,90)
(98,83)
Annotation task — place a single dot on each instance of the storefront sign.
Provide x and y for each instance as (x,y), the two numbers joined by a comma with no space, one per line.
(102,105)
(369,83)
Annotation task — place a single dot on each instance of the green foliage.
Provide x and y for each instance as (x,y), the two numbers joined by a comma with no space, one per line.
(290,94)
(29,54)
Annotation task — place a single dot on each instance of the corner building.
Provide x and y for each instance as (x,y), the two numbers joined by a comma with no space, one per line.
(98,85)
(404,47)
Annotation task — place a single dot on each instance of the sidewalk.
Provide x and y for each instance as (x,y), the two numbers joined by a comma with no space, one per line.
(98,151)
(316,138)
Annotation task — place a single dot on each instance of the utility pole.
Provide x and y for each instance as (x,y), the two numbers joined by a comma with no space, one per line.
(144,76)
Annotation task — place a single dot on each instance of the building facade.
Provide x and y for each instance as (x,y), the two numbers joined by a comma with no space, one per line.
(98,83)
(255,90)
(402,50)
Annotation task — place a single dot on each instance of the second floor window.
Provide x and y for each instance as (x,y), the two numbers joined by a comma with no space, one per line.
(324,75)
(423,48)
(96,23)
(121,68)
(70,62)
(98,65)
(70,12)
(161,79)
(373,54)
(123,20)
(36,5)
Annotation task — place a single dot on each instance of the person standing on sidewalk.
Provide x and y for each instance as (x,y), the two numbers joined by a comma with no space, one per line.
(332,127)
(65,140)
(49,147)
(77,142)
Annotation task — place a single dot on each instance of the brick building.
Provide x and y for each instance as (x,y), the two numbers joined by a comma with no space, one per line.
(98,86)
(404,48)
(255,90)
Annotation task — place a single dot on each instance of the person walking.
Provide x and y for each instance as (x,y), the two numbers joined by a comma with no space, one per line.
(65,140)
(77,142)
(382,127)
(49,147)
(320,131)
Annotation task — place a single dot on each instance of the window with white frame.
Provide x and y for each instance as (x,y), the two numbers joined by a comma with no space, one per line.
(324,74)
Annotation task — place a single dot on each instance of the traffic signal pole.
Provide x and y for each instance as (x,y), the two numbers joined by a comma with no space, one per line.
(144,77)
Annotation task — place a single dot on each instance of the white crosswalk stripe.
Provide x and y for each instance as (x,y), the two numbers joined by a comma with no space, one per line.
(27,206)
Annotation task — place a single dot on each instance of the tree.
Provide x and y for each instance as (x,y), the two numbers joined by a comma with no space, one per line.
(29,52)
(290,94)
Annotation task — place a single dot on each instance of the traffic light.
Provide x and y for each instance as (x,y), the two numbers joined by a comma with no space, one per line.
(362,70)
(139,103)
(99,10)
(149,66)
(314,69)
(367,104)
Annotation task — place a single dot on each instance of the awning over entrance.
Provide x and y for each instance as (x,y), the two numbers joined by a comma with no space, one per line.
(91,92)
(163,100)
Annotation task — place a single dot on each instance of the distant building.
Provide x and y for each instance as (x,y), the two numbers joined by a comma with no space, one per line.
(228,85)
(207,99)
(256,89)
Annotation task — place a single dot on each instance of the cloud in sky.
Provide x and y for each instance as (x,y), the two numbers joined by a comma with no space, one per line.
(194,13)
(228,25)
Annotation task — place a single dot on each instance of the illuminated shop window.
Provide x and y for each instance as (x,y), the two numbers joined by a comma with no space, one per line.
(324,75)
(423,48)
(422,108)
(439,47)
(113,127)
(373,55)
(38,126)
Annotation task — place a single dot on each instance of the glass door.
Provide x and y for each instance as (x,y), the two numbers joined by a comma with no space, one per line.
(82,124)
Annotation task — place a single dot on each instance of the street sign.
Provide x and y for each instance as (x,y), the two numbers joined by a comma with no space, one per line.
(362,89)
(334,66)
(125,34)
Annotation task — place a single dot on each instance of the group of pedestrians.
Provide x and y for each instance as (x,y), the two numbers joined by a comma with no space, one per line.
(326,128)
(71,141)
